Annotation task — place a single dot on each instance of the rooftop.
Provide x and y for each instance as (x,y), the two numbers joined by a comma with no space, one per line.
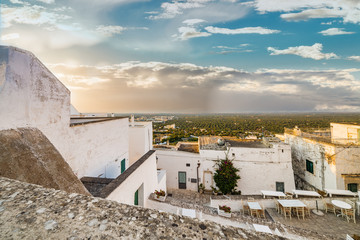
(86,120)
(29,211)
(221,143)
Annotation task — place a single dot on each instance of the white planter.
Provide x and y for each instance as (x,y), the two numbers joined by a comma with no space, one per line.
(160,198)
(223,213)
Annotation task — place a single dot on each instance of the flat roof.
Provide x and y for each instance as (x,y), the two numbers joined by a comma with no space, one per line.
(86,120)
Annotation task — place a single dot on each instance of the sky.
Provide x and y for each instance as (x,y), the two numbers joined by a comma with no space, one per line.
(195,56)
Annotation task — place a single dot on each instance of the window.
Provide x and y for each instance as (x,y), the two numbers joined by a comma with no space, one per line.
(353,187)
(188,164)
(280,187)
(233,154)
(309,166)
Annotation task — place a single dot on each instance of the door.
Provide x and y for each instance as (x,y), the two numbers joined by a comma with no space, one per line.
(136,198)
(182,180)
(208,180)
(280,187)
(353,187)
(123,165)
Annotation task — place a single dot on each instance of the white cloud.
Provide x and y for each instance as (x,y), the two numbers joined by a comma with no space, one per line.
(336,108)
(194,21)
(10,36)
(110,30)
(47,1)
(313,52)
(33,15)
(348,10)
(334,31)
(356,58)
(246,30)
(190,32)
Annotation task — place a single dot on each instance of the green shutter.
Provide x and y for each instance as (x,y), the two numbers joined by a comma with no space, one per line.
(136,198)
(309,166)
(122,165)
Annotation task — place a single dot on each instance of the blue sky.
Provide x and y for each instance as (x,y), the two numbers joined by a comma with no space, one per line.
(195,55)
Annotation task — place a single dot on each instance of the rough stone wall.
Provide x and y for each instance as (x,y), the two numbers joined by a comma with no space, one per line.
(29,211)
(27,155)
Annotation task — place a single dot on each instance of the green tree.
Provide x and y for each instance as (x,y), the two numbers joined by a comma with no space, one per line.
(225,175)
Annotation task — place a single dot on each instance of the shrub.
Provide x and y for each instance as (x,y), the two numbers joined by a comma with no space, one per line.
(160,193)
(225,208)
(226,176)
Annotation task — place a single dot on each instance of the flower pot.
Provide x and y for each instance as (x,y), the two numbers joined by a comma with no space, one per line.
(160,198)
(223,213)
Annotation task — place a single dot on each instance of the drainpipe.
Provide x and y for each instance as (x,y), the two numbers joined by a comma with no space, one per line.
(197,176)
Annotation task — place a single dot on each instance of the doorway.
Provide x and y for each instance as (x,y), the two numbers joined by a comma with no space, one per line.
(182,180)
(208,180)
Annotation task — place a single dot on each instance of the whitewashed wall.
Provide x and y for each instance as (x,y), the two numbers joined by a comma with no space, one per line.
(97,149)
(31,96)
(260,168)
(140,140)
(174,162)
(145,175)
(161,174)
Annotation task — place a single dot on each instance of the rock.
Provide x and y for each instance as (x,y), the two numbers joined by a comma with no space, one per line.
(93,222)
(153,215)
(51,225)
(41,210)
(71,215)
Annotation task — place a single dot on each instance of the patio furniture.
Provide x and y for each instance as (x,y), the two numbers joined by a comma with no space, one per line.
(350,214)
(188,212)
(350,202)
(358,203)
(331,192)
(277,206)
(272,193)
(254,207)
(341,205)
(307,209)
(262,228)
(300,212)
(251,199)
(328,206)
(261,212)
(245,207)
(305,193)
(287,206)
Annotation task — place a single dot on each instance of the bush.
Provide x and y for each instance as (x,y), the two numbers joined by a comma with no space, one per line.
(225,208)
(160,193)
(226,176)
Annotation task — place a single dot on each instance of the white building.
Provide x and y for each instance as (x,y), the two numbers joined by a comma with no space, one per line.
(263,165)
(96,147)
(326,160)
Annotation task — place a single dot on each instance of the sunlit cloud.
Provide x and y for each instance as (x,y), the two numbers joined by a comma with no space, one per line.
(246,30)
(10,36)
(335,31)
(313,52)
(355,58)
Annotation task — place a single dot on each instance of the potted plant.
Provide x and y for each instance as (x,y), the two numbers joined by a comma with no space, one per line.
(224,211)
(215,190)
(201,188)
(160,195)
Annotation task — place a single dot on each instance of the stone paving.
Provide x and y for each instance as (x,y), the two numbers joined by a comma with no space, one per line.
(328,225)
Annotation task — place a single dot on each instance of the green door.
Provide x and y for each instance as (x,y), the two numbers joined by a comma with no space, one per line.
(353,187)
(136,198)
(280,187)
(122,165)
(182,180)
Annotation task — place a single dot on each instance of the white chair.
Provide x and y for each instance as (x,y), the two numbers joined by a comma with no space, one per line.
(358,204)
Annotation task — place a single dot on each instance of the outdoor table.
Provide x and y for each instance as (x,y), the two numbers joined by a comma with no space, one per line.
(272,193)
(341,204)
(254,205)
(331,192)
(291,203)
(305,193)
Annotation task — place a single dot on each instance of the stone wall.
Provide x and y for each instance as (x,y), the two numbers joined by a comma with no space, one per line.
(29,211)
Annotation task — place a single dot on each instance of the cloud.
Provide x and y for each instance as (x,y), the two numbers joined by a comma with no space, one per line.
(334,31)
(47,1)
(158,86)
(10,36)
(313,52)
(337,108)
(190,32)
(246,30)
(224,50)
(194,21)
(31,15)
(172,9)
(355,58)
(110,30)
(348,10)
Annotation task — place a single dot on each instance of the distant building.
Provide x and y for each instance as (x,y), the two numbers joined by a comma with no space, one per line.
(327,158)
(263,165)
(171,126)
(97,148)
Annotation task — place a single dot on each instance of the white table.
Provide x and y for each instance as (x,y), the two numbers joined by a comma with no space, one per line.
(188,212)
(262,228)
(341,204)
(358,207)
(272,193)
(305,193)
(331,192)
(291,203)
(254,205)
